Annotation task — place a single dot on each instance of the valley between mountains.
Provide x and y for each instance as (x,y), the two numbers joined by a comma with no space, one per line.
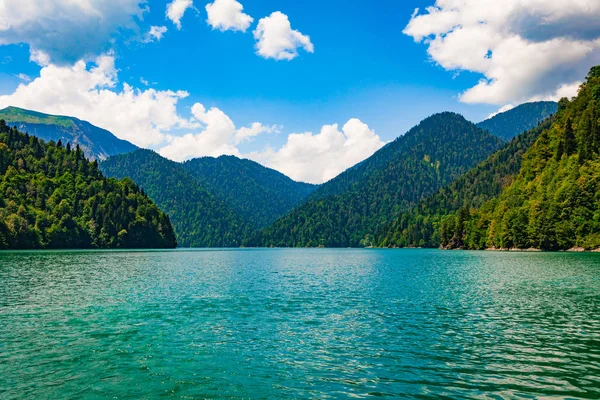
(525,178)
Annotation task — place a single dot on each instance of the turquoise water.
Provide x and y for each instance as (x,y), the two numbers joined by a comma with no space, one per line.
(299,324)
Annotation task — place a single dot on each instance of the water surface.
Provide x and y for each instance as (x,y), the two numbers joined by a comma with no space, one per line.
(299,324)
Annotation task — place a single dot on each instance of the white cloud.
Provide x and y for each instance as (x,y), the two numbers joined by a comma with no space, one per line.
(39,57)
(24,77)
(155,34)
(227,15)
(307,157)
(218,135)
(176,9)
(144,117)
(256,128)
(502,109)
(66,31)
(526,49)
(318,158)
(276,39)
(214,140)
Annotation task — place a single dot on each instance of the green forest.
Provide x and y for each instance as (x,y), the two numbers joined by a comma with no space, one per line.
(351,208)
(522,118)
(258,194)
(213,202)
(200,219)
(553,202)
(419,226)
(52,197)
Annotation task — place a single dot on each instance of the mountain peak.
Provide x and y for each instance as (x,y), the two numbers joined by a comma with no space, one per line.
(508,124)
(96,143)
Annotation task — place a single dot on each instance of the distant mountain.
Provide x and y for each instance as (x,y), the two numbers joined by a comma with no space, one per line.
(508,124)
(213,202)
(260,195)
(421,225)
(200,218)
(553,203)
(52,197)
(351,208)
(96,143)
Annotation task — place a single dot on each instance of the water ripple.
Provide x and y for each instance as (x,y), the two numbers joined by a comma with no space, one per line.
(299,324)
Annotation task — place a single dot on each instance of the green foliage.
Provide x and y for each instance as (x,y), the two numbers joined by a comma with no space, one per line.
(213,202)
(351,208)
(553,203)
(422,226)
(511,123)
(52,197)
(200,219)
(259,195)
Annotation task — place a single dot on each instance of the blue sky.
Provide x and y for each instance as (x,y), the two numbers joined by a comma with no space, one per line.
(366,65)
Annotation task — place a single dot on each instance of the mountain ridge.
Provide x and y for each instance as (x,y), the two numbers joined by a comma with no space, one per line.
(420,226)
(509,124)
(202,214)
(552,203)
(243,183)
(346,210)
(97,143)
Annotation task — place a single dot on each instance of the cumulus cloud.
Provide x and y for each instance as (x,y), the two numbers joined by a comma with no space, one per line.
(317,158)
(66,31)
(176,9)
(276,39)
(217,136)
(144,117)
(307,157)
(525,49)
(255,129)
(155,34)
(228,15)
(215,139)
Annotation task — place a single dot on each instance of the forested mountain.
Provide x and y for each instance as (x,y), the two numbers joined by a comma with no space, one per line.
(96,143)
(554,201)
(52,197)
(420,226)
(258,194)
(508,124)
(349,209)
(200,218)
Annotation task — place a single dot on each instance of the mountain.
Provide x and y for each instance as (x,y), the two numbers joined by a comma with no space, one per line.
(260,195)
(420,226)
(200,218)
(553,202)
(508,124)
(96,143)
(351,208)
(52,197)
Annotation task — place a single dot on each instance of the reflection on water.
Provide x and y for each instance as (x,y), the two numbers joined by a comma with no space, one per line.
(299,324)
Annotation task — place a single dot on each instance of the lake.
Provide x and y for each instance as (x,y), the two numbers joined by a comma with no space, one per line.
(314,323)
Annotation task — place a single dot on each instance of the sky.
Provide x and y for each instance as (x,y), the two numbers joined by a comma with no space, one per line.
(308,88)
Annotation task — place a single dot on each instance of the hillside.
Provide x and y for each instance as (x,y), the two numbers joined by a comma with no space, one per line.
(96,143)
(351,208)
(52,197)
(200,219)
(260,195)
(420,226)
(553,203)
(522,118)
